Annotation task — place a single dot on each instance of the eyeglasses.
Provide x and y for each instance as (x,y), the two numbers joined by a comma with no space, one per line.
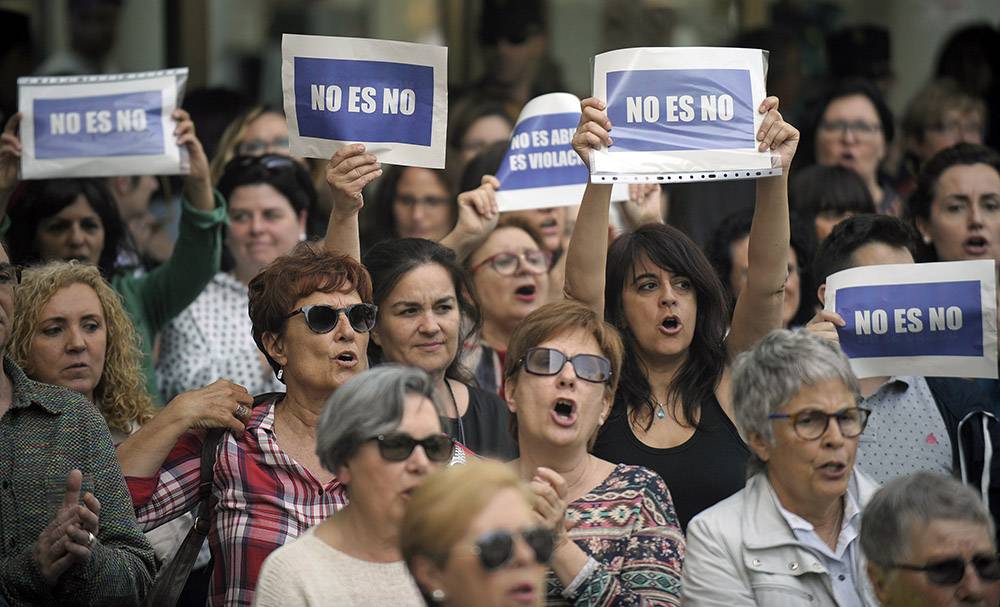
(858,128)
(534,261)
(321,318)
(258,147)
(432,201)
(496,548)
(398,447)
(957,128)
(949,572)
(548,361)
(810,424)
(10,275)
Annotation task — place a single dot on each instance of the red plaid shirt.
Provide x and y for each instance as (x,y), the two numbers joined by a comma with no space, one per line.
(263,500)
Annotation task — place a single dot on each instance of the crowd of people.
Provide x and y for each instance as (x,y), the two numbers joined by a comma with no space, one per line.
(365,385)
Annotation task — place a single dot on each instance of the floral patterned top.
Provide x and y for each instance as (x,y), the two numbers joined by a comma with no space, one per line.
(628,527)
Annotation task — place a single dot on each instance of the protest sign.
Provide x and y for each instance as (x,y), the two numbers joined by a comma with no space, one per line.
(103,125)
(390,96)
(935,319)
(681,115)
(540,169)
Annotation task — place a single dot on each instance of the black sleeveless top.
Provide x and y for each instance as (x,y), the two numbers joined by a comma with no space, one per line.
(486,426)
(704,470)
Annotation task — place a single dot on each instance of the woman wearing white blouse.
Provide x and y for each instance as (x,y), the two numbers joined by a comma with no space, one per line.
(269,199)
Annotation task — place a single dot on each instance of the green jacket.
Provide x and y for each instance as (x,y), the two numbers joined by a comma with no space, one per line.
(47,432)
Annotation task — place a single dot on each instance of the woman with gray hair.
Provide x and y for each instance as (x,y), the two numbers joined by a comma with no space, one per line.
(929,543)
(790,536)
(380,434)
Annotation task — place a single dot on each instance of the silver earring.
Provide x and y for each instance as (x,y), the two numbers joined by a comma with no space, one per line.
(302,236)
(927,240)
(281,372)
(437,595)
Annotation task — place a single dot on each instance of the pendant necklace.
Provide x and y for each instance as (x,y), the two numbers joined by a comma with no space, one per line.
(660,413)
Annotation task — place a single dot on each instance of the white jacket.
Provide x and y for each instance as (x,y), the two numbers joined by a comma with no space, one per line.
(742,552)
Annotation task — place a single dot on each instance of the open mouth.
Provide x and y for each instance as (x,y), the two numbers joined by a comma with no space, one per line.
(348,359)
(564,412)
(833,469)
(975,245)
(671,325)
(525,293)
(549,226)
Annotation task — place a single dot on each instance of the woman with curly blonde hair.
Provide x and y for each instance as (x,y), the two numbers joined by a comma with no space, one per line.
(71,329)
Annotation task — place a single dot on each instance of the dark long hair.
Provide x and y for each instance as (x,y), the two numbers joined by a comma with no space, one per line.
(380,223)
(40,199)
(699,375)
(389,261)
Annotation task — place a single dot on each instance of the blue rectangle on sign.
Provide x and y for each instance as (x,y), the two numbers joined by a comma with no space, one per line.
(925,319)
(673,110)
(124,124)
(368,101)
(541,154)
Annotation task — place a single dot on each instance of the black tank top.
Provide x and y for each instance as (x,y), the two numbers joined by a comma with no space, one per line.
(704,470)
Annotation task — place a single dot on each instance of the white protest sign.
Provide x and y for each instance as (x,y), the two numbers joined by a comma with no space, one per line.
(103,125)
(681,115)
(540,169)
(933,319)
(390,96)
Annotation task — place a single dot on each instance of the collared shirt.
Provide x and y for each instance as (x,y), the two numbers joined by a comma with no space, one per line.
(264,499)
(839,562)
(47,432)
(905,432)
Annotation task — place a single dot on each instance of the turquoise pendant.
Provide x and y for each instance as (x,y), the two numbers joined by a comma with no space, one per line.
(660,413)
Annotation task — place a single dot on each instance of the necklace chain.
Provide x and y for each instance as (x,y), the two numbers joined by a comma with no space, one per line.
(458,414)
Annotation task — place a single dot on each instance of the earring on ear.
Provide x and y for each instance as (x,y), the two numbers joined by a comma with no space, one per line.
(437,595)
(302,236)
(281,373)
(927,239)
(600,421)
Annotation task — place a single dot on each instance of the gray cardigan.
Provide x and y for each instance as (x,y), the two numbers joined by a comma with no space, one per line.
(742,552)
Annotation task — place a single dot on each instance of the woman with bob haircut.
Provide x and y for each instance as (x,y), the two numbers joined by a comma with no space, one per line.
(470,538)
(70,329)
(311,312)
(673,411)
(617,536)
(380,434)
(791,536)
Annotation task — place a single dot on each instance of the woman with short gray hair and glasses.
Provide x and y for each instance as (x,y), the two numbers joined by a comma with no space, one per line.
(790,536)
(380,434)
(929,543)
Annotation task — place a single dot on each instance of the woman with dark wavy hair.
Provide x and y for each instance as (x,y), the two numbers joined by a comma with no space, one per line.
(673,411)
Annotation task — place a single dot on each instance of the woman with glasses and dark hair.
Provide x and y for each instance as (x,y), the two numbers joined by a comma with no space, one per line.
(310,313)
(270,198)
(853,127)
(618,541)
(929,543)
(381,436)
(259,130)
(673,410)
(410,202)
(791,535)
(470,538)
(77,219)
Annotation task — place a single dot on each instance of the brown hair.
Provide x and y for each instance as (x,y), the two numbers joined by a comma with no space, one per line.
(307,269)
(441,509)
(561,318)
(121,392)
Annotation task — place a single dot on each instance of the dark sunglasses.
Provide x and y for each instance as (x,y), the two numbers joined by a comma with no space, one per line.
(496,548)
(398,447)
(273,162)
(548,361)
(950,572)
(321,318)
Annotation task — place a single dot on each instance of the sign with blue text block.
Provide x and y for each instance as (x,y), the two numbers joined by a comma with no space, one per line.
(103,125)
(933,319)
(390,96)
(681,115)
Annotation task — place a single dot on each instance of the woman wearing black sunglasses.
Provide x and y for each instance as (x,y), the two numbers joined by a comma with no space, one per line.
(381,436)
(470,539)
(929,542)
(792,532)
(625,546)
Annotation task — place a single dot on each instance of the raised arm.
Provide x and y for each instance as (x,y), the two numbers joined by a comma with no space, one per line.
(347,174)
(477,217)
(10,160)
(758,309)
(587,254)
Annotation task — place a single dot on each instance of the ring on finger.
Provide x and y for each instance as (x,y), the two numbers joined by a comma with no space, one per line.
(90,539)
(242,412)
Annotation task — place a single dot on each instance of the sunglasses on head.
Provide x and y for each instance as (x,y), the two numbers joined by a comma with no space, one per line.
(949,572)
(548,361)
(398,447)
(321,318)
(496,548)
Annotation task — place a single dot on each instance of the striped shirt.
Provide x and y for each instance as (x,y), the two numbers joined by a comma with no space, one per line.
(263,499)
